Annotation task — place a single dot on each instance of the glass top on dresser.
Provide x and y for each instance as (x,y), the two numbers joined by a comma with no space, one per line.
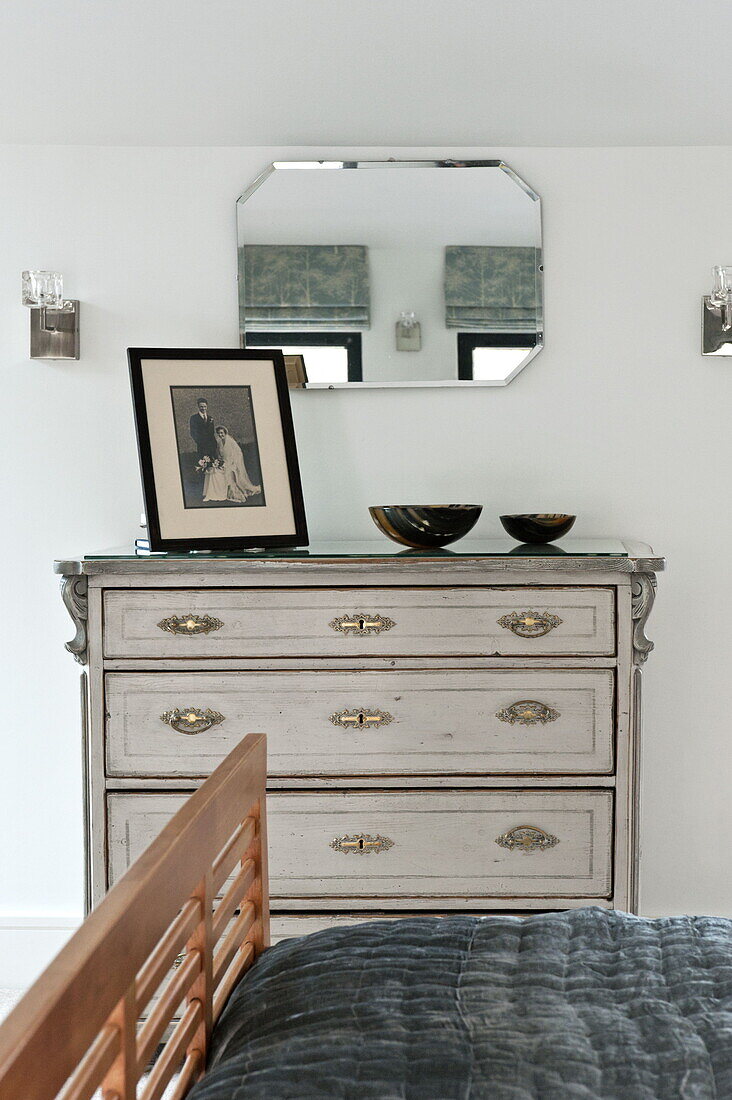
(374,548)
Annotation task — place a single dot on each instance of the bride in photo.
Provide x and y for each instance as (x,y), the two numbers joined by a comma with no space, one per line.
(238,485)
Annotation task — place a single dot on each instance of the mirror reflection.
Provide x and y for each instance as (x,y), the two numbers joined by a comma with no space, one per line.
(393,273)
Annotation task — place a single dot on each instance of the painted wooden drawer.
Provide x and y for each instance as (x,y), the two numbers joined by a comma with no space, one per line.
(363,723)
(311,622)
(449,845)
(287,925)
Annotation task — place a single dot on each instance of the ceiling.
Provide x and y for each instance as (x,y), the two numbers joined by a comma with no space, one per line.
(366,72)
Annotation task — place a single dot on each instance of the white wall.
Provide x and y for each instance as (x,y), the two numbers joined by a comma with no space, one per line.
(408,279)
(619,419)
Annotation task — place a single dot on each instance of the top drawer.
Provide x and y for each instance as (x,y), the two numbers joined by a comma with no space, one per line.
(350,622)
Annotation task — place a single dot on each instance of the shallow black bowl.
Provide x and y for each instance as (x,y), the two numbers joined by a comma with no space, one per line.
(538,528)
(424,526)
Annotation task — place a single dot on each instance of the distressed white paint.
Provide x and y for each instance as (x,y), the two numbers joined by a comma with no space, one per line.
(442,722)
(444,846)
(444,621)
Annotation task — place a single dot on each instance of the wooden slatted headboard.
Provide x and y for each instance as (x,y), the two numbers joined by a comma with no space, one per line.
(77,1027)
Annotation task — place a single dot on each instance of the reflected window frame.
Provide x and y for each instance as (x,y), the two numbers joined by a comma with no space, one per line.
(349,341)
(467,342)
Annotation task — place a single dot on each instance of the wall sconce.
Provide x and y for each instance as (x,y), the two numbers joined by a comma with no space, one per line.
(408,332)
(54,320)
(717,314)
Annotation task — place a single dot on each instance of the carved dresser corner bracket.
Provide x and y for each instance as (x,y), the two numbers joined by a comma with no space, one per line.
(74,593)
(643,591)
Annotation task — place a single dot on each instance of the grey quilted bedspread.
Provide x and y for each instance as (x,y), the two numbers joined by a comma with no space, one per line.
(589,1003)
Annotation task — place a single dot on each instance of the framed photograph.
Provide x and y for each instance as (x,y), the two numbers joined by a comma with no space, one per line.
(217,449)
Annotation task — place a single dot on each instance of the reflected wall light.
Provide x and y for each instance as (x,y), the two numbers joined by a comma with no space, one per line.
(408,332)
(717,314)
(54,320)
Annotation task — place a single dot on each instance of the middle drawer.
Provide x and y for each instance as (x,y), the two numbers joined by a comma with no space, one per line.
(363,723)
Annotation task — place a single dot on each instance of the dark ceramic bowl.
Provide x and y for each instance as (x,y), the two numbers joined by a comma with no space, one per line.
(538,528)
(425,526)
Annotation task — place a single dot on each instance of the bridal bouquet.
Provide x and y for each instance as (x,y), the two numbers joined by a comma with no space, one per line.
(205,465)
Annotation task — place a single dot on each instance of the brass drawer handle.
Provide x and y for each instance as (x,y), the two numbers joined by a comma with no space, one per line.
(362,844)
(363,719)
(527,712)
(190,624)
(526,838)
(360,623)
(192,720)
(529,624)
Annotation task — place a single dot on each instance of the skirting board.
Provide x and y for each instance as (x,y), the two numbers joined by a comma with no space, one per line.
(28,943)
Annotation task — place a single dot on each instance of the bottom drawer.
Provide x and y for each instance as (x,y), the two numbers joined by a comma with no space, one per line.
(410,848)
(286,926)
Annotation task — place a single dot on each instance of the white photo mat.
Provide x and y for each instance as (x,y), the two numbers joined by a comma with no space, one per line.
(276,516)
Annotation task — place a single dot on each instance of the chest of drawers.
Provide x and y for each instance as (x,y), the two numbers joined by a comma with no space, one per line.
(445,732)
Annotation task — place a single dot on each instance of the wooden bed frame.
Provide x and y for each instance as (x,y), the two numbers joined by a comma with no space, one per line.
(79,1027)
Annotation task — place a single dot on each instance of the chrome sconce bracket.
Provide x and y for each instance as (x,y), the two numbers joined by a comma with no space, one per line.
(54,320)
(54,333)
(717,314)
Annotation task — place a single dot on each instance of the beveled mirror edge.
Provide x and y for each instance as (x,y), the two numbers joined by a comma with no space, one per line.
(393,162)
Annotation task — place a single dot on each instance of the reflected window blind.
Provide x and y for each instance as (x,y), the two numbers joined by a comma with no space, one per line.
(298,286)
(490,288)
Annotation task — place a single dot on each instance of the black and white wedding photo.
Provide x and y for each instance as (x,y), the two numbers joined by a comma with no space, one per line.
(217,448)
(218,453)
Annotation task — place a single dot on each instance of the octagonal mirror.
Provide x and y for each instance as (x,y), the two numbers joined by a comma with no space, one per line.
(392,273)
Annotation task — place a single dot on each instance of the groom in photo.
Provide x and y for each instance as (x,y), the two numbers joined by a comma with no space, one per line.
(203,431)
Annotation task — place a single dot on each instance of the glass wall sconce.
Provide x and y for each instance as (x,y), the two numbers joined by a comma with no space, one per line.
(408,332)
(717,314)
(54,320)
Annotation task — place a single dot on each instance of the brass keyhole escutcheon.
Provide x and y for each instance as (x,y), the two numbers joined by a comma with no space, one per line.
(359,623)
(361,844)
(361,718)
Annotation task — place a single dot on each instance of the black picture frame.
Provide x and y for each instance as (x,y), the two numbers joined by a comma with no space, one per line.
(299,535)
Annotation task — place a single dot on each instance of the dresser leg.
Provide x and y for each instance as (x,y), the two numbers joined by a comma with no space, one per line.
(86,822)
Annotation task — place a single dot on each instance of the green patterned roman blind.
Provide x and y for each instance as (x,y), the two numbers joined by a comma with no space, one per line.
(491,288)
(301,286)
